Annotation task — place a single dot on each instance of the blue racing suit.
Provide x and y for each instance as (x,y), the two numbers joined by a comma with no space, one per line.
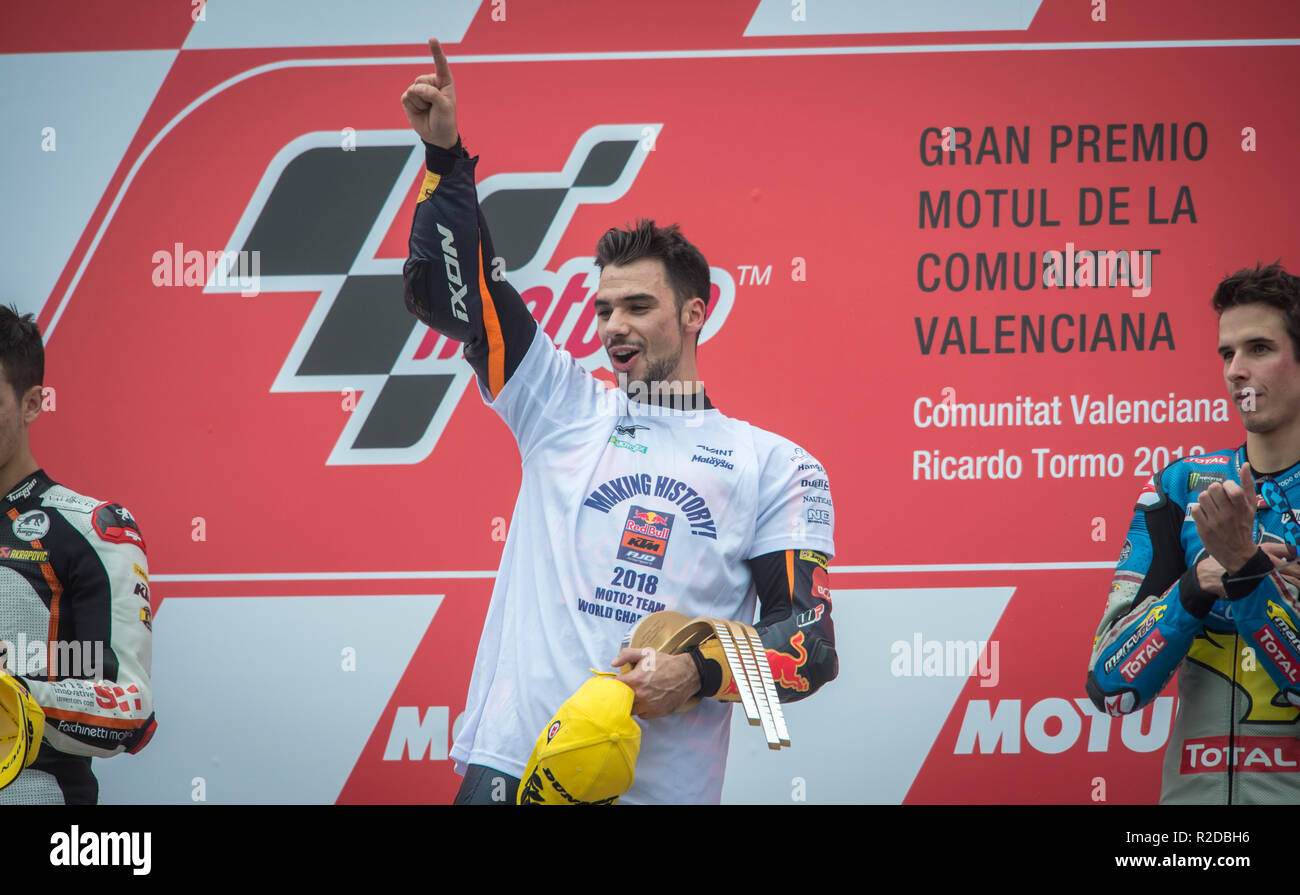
(1234,738)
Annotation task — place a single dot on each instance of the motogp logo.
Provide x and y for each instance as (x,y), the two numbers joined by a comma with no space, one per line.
(404,380)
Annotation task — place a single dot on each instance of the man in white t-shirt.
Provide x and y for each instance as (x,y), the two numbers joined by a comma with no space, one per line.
(632,500)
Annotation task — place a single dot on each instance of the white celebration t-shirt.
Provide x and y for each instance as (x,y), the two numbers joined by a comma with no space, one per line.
(625,508)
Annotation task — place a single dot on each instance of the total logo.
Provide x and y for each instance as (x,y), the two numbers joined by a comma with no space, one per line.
(1250,754)
(1283,658)
(360,339)
(1145,652)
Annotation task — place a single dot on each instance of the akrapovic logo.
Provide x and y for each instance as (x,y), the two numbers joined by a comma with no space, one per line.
(359,341)
(452,265)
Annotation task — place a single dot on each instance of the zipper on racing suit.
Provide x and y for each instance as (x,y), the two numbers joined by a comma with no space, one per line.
(1232,715)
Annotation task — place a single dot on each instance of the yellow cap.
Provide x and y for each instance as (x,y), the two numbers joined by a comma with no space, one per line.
(587,753)
(22,723)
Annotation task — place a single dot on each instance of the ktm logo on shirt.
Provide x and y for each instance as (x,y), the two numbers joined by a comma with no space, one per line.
(645,537)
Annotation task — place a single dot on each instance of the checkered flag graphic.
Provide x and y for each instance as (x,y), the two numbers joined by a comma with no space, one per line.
(317,220)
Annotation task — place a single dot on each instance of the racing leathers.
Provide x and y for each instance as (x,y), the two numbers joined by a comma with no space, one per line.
(1234,739)
(625,508)
(76,628)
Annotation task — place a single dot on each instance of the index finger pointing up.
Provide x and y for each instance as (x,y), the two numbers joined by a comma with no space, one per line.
(440,66)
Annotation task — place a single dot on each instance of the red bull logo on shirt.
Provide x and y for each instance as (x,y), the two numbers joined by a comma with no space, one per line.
(645,537)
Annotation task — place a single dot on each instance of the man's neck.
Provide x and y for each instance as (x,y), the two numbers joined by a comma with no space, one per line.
(684,381)
(1273,451)
(19,467)
(676,395)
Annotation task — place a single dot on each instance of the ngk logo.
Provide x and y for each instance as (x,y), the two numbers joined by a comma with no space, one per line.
(1055,725)
(360,339)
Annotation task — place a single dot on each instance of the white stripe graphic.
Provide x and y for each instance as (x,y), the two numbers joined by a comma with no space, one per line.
(255,696)
(777,17)
(310,23)
(863,738)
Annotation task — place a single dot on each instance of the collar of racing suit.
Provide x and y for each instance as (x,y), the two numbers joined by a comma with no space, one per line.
(35,483)
(1284,478)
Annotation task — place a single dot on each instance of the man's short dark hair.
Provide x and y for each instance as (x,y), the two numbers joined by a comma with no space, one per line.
(687,271)
(1269,285)
(21,350)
